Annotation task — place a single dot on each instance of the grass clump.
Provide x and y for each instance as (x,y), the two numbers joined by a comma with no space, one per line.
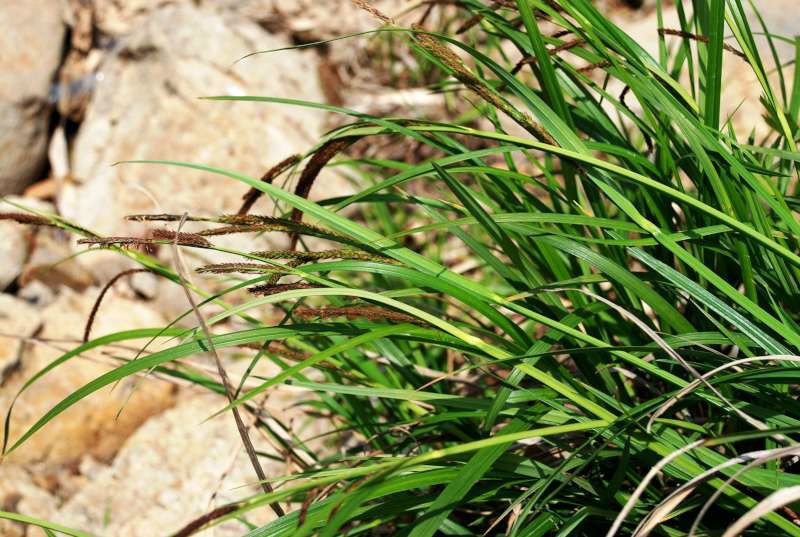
(613,350)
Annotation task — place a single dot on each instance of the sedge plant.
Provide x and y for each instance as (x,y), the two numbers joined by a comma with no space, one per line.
(579,317)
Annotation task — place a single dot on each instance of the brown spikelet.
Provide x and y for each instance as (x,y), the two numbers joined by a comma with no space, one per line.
(701,39)
(372,10)
(181,238)
(373,313)
(466,77)
(239,223)
(340,253)
(231,230)
(285,226)
(278,347)
(276,276)
(96,306)
(228,268)
(27,218)
(315,164)
(251,220)
(118,241)
(158,237)
(268,289)
(192,527)
(253,194)
(165,218)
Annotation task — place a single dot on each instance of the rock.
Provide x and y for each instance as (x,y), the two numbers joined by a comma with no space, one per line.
(174,469)
(19,494)
(13,251)
(16,241)
(51,265)
(118,18)
(37,294)
(30,53)
(310,20)
(91,427)
(147,107)
(18,320)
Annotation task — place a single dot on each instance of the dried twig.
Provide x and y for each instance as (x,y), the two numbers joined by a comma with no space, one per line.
(701,39)
(180,269)
(105,289)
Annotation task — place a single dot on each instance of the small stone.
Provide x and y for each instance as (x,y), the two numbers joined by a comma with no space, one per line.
(18,321)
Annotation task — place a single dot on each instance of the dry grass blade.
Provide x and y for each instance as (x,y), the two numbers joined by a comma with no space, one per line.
(628,507)
(768,455)
(180,269)
(674,355)
(662,510)
(776,500)
(696,383)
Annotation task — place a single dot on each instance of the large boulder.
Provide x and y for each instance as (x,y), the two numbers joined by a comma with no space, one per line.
(92,426)
(147,107)
(30,52)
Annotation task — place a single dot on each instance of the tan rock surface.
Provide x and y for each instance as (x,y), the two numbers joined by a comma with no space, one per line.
(147,107)
(174,469)
(30,52)
(17,240)
(90,427)
(18,321)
